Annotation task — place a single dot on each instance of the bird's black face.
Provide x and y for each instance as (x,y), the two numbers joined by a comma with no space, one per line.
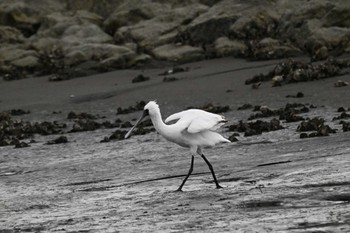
(145,113)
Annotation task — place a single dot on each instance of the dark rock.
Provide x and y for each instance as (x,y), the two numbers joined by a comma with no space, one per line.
(18,112)
(212,108)
(315,124)
(296,71)
(137,107)
(21,145)
(126,124)
(233,138)
(346,126)
(170,79)
(46,128)
(341,83)
(146,123)
(341,109)
(109,125)
(288,113)
(13,131)
(313,106)
(13,73)
(298,95)
(118,135)
(83,115)
(256,85)
(140,78)
(311,125)
(255,128)
(245,106)
(343,115)
(81,125)
(59,140)
(142,131)
(105,139)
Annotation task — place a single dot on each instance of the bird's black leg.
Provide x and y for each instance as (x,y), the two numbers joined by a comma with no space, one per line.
(189,173)
(212,171)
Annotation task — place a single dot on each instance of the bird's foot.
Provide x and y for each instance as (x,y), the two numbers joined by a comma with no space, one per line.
(178,190)
(219,187)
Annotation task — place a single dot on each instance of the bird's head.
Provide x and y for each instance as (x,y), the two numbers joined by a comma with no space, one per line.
(150,109)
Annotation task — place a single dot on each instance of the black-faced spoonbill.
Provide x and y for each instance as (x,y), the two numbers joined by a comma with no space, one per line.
(194,129)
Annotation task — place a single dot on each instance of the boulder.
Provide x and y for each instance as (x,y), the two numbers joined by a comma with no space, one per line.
(10,35)
(178,53)
(26,15)
(132,12)
(54,25)
(161,29)
(224,47)
(85,33)
(97,52)
(19,56)
(255,24)
(313,25)
(269,48)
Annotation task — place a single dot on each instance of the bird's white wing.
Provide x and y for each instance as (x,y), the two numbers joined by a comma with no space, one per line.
(175,116)
(196,120)
(202,123)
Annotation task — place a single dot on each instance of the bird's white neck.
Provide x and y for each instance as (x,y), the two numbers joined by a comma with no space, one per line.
(158,123)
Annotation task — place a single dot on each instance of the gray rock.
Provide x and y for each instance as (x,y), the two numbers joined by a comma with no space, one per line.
(10,35)
(313,24)
(97,52)
(26,16)
(160,30)
(256,23)
(224,47)
(19,56)
(85,33)
(55,24)
(179,53)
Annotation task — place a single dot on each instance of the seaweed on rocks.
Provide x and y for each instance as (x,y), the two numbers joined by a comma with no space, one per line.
(120,134)
(315,124)
(13,73)
(21,145)
(59,140)
(256,127)
(212,108)
(293,71)
(137,107)
(169,79)
(289,113)
(346,126)
(81,125)
(245,106)
(18,112)
(140,78)
(298,95)
(13,131)
(341,83)
(83,115)
(343,115)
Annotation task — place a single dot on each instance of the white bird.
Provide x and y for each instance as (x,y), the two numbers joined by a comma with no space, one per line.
(194,129)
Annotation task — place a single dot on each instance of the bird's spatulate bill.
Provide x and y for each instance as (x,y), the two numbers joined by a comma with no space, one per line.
(144,114)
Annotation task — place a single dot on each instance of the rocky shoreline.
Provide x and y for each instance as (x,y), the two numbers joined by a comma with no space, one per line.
(71,39)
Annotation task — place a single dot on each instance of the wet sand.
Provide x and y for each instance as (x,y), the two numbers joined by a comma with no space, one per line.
(272,182)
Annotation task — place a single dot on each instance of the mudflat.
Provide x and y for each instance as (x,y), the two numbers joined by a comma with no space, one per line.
(274,181)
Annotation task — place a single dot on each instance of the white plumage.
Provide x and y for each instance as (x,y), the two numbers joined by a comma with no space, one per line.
(193,129)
